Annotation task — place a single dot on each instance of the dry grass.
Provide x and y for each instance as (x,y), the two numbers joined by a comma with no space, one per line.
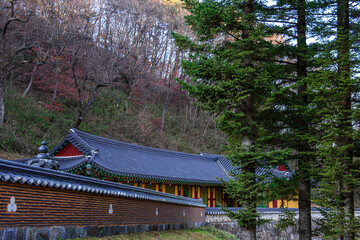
(193,234)
(10,155)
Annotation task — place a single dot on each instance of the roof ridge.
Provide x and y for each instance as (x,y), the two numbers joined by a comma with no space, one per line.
(211,155)
(222,168)
(80,140)
(73,138)
(139,147)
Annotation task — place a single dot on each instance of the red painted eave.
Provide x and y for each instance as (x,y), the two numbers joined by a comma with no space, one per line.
(282,168)
(69,150)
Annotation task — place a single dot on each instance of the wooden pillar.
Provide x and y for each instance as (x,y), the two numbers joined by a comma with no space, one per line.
(176,189)
(180,190)
(157,188)
(208,197)
(275,204)
(222,198)
(211,197)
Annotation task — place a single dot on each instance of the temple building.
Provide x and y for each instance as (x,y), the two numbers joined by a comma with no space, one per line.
(183,174)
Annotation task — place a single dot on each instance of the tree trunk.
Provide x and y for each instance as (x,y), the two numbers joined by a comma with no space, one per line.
(211,119)
(37,64)
(249,135)
(57,70)
(249,232)
(303,163)
(178,102)
(31,80)
(164,110)
(85,106)
(343,37)
(304,201)
(2,102)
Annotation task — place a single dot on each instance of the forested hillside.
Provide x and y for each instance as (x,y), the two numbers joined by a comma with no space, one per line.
(280,78)
(108,67)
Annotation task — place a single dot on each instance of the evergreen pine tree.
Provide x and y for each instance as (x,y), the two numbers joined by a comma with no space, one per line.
(233,73)
(293,128)
(336,100)
(317,108)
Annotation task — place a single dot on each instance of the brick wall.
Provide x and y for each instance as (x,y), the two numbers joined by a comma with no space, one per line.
(42,206)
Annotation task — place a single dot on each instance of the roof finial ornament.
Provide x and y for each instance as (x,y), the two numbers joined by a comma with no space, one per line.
(93,153)
(43,151)
(43,159)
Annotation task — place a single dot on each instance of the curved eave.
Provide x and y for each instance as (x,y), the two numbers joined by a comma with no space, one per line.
(25,174)
(144,177)
(75,140)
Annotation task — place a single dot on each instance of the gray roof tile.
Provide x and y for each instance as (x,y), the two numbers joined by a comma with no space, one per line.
(133,160)
(16,172)
(270,171)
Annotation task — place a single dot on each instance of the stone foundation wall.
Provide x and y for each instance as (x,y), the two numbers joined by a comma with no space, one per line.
(266,231)
(71,232)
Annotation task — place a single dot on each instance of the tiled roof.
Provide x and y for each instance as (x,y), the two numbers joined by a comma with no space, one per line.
(131,160)
(16,172)
(229,167)
(220,211)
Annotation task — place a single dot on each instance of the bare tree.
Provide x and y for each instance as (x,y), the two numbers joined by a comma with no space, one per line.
(99,71)
(12,42)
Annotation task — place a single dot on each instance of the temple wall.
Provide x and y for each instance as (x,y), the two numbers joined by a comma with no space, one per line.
(30,212)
